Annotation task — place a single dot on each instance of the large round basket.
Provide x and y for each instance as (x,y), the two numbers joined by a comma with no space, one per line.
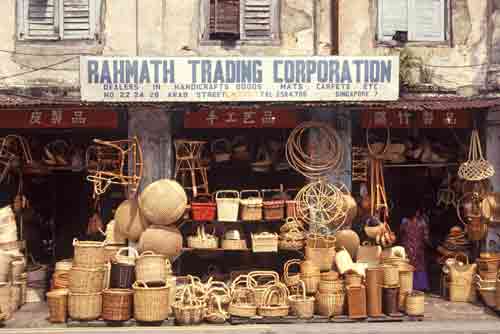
(151,267)
(151,301)
(117,304)
(163,202)
(88,254)
(58,305)
(85,280)
(84,306)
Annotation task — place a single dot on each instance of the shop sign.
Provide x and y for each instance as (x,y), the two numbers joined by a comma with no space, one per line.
(418,119)
(240,118)
(60,119)
(203,79)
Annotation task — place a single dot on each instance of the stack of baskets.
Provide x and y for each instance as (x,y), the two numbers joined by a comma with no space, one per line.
(330,298)
(152,290)
(60,277)
(86,282)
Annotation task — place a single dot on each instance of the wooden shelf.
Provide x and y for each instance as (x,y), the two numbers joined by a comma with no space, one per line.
(421,165)
(47,170)
(236,222)
(215,250)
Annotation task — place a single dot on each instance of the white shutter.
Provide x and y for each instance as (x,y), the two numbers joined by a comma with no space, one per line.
(392,16)
(77,22)
(256,19)
(41,19)
(428,20)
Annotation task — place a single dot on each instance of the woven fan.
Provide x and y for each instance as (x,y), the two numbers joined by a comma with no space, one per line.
(115,162)
(476,168)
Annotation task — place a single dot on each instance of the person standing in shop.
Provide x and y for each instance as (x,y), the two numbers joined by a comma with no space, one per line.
(414,232)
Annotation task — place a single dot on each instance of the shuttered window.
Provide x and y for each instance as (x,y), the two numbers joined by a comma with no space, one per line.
(256,20)
(421,20)
(58,19)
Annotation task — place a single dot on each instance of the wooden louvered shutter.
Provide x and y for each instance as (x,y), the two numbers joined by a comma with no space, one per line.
(225,18)
(260,19)
(77,19)
(41,19)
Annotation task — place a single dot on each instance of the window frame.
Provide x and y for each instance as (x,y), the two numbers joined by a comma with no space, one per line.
(448,36)
(95,11)
(273,40)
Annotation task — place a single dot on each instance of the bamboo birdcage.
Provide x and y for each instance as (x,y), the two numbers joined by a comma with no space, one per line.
(115,162)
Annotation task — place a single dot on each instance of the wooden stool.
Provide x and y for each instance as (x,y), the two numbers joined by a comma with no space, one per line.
(188,166)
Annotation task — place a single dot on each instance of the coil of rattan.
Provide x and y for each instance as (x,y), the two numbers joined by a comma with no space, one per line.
(314,158)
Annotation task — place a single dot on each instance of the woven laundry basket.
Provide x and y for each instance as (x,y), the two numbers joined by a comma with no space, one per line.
(163,202)
(151,301)
(84,306)
(88,254)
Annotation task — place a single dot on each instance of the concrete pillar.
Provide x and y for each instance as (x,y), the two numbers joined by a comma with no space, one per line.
(153,126)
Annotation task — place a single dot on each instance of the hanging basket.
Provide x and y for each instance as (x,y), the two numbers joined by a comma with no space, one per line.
(476,168)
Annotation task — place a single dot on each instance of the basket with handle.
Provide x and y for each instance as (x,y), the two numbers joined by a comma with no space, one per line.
(57,301)
(126,258)
(275,301)
(301,305)
(264,242)
(218,298)
(251,205)
(330,304)
(151,267)
(242,303)
(117,304)
(88,254)
(188,310)
(259,281)
(274,209)
(202,240)
(86,280)
(288,278)
(151,301)
(293,239)
(110,252)
(203,208)
(228,204)
(476,168)
(84,306)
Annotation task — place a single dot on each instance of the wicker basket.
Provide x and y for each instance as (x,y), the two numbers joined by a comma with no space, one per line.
(391,275)
(406,279)
(85,280)
(489,297)
(251,206)
(117,304)
(151,302)
(293,239)
(88,254)
(84,306)
(188,310)
(128,258)
(460,293)
(122,276)
(264,242)
(487,264)
(17,267)
(275,301)
(63,265)
(151,267)
(202,240)
(289,279)
(60,280)
(274,210)
(205,210)
(301,305)
(110,252)
(321,250)
(259,281)
(227,207)
(330,304)
(234,244)
(415,303)
(242,303)
(57,301)
(353,279)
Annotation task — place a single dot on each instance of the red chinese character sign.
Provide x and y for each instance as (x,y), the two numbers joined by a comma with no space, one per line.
(419,119)
(59,119)
(240,118)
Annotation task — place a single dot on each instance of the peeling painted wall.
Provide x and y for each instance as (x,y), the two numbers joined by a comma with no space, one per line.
(475,40)
(163,30)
